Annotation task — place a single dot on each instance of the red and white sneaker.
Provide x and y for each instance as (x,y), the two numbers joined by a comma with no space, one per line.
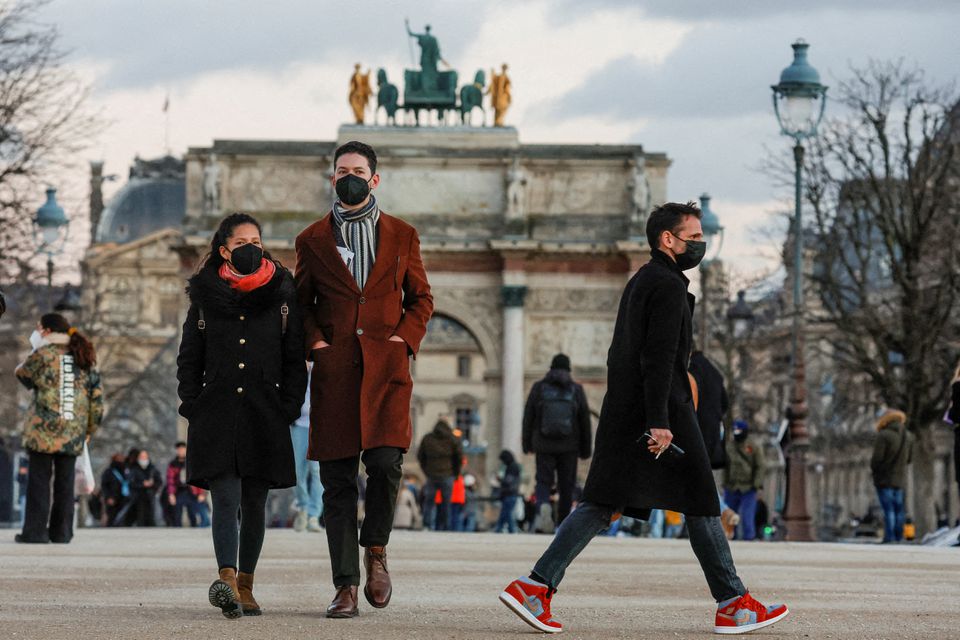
(531,601)
(744,614)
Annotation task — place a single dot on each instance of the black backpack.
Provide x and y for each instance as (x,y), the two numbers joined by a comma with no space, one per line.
(558,411)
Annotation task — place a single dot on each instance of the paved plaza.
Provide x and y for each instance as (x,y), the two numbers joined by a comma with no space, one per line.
(151,584)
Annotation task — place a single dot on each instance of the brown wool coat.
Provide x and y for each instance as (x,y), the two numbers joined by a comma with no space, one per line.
(361,385)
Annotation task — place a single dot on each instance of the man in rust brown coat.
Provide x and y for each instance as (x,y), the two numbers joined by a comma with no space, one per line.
(366,302)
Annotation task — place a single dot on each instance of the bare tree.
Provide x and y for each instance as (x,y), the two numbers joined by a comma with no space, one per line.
(882,184)
(44,124)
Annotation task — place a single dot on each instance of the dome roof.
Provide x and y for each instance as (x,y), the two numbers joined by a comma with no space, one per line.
(154,198)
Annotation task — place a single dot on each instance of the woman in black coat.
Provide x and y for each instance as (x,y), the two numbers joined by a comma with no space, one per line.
(242,380)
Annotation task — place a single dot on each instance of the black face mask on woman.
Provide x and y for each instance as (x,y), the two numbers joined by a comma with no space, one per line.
(246,258)
(352,190)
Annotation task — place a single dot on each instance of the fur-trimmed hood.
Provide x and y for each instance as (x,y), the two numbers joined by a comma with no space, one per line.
(208,290)
(890,417)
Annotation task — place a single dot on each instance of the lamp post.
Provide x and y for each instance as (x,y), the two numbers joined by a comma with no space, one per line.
(798,101)
(51,226)
(740,320)
(711,229)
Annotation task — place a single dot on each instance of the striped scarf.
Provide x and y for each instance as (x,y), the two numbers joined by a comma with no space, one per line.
(358,231)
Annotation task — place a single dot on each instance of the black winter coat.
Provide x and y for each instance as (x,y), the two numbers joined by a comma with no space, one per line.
(579,440)
(712,407)
(648,387)
(242,379)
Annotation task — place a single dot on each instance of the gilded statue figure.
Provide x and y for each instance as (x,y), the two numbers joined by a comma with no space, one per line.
(499,93)
(360,92)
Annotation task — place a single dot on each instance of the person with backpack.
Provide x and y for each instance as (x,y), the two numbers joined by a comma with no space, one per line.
(66,411)
(743,477)
(115,490)
(892,452)
(440,455)
(556,428)
(242,380)
(712,405)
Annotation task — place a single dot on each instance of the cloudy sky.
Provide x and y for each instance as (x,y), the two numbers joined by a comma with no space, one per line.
(687,77)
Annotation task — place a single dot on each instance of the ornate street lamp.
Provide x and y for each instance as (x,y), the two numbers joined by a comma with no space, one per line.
(711,230)
(51,227)
(740,316)
(798,100)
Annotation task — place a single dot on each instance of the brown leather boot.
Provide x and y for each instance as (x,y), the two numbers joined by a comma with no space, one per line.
(378,588)
(223,594)
(245,590)
(344,604)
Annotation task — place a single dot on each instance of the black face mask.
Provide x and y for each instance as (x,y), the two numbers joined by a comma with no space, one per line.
(246,258)
(690,258)
(352,190)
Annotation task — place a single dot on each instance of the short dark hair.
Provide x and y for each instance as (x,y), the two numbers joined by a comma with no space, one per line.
(179,444)
(668,217)
(363,149)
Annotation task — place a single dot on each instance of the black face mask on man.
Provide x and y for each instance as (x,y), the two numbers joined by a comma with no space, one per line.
(352,189)
(693,256)
(246,258)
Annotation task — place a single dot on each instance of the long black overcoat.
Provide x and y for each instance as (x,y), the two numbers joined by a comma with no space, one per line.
(647,387)
(242,379)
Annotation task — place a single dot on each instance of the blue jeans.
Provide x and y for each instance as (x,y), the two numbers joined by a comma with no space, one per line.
(186,501)
(430,488)
(588,519)
(656,523)
(309,494)
(508,504)
(745,504)
(891,500)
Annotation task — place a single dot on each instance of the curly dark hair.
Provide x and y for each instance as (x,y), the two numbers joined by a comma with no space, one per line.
(363,149)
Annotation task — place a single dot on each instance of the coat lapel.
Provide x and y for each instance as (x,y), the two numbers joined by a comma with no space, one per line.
(325,246)
(387,250)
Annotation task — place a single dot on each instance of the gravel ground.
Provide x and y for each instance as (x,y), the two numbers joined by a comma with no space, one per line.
(152,584)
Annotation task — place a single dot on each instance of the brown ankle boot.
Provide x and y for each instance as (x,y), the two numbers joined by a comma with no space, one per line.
(245,589)
(378,588)
(344,604)
(223,594)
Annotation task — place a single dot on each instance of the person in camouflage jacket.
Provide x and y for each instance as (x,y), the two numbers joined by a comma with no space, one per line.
(67,409)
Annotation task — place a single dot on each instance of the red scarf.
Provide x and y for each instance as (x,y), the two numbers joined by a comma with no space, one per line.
(248,283)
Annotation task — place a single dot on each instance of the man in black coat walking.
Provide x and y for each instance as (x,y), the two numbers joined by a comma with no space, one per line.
(556,427)
(647,420)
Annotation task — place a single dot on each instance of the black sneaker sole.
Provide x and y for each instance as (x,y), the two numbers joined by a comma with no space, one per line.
(221,596)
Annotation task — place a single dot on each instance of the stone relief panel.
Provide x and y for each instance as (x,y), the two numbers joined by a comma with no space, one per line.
(272,184)
(585,340)
(573,300)
(421,188)
(558,190)
(479,310)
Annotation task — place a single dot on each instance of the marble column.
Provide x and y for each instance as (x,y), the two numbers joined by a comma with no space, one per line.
(513,367)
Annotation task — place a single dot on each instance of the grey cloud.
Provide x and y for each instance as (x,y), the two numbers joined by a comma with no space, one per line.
(156,42)
(726,69)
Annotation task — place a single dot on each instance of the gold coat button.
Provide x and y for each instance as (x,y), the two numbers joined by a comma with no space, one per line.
(239,389)
(241,365)
(243,317)
(243,341)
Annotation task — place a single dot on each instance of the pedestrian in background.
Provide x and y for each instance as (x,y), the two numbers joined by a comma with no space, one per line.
(953,415)
(242,381)
(743,478)
(309,493)
(180,496)
(145,484)
(712,406)
(66,411)
(892,452)
(115,490)
(509,492)
(556,428)
(440,456)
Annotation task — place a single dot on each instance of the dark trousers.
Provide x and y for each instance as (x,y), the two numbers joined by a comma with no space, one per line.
(239,521)
(559,469)
(44,521)
(186,501)
(340,496)
(430,506)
